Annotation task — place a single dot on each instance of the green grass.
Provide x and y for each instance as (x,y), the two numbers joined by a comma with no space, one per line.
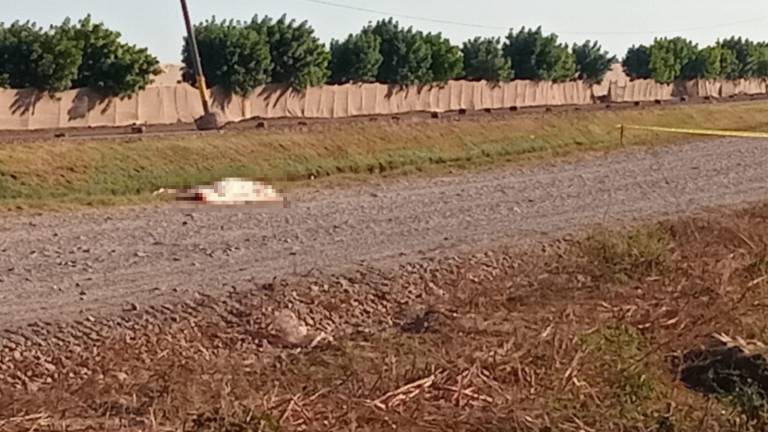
(641,253)
(55,174)
(617,350)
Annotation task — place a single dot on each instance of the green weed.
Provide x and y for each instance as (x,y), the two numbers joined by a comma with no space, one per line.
(625,256)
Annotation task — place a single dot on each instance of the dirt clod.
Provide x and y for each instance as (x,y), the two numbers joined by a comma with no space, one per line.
(422,322)
(287,329)
(726,366)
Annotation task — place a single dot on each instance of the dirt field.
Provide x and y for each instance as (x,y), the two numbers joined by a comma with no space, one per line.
(587,335)
(432,304)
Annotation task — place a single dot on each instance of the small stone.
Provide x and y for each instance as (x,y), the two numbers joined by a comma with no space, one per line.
(210,121)
(287,327)
(131,307)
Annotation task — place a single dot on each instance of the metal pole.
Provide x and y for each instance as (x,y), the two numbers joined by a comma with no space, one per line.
(195,54)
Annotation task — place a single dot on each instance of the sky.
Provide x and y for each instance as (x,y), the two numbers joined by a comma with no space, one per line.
(617,24)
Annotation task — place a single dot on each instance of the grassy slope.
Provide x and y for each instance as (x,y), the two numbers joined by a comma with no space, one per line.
(98,172)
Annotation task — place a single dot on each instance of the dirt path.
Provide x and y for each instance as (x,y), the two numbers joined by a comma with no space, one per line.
(62,267)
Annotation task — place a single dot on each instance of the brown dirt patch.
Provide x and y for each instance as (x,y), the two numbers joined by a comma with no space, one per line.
(577,336)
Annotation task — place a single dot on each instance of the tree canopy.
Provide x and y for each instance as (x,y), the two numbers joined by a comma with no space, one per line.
(68,56)
(485,60)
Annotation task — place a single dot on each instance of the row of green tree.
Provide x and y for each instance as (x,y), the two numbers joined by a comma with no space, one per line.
(669,60)
(241,56)
(66,56)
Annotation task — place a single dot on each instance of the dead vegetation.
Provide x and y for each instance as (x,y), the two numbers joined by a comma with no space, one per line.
(604,333)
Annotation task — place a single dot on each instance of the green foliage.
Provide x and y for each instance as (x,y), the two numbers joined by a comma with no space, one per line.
(109,65)
(241,56)
(760,55)
(705,65)
(636,254)
(538,57)
(298,56)
(67,56)
(30,56)
(485,60)
(389,53)
(233,55)
(356,59)
(750,408)
(619,348)
(668,60)
(637,62)
(742,62)
(741,58)
(671,59)
(729,64)
(447,60)
(592,63)
(406,56)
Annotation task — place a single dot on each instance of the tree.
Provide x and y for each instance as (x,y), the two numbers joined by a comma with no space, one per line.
(233,55)
(36,58)
(406,56)
(741,62)
(5,47)
(538,57)
(67,56)
(592,63)
(760,53)
(109,65)
(705,65)
(485,60)
(356,59)
(298,56)
(729,63)
(447,61)
(666,60)
(670,58)
(637,62)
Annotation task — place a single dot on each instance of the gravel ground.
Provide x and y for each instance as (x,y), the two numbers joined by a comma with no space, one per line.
(63,267)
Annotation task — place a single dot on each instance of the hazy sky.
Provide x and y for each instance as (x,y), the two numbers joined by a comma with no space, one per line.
(157,24)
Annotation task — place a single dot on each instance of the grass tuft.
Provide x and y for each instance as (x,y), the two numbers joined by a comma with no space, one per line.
(637,254)
(750,409)
(617,350)
(234,422)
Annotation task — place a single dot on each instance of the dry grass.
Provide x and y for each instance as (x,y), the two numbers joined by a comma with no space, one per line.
(53,174)
(640,254)
(513,341)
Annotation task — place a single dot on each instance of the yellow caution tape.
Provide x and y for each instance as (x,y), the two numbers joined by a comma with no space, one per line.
(740,134)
